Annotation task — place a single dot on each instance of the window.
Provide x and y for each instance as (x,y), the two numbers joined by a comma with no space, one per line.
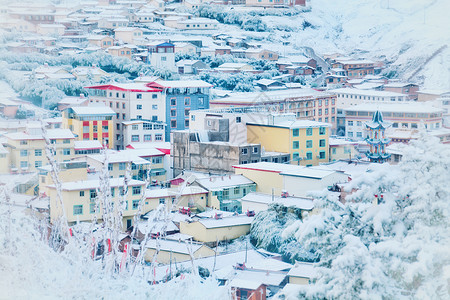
(95,128)
(359,123)
(154,96)
(110,167)
(138,96)
(333,150)
(135,204)
(123,116)
(359,134)
(23,152)
(295,132)
(255,149)
(321,143)
(92,194)
(117,117)
(350,134)
(309,131)
(322,155)
(309,144)
(155,106)
(163,58)
(122,166)
(295,156)
(66,141)
(134,127)
(244,151)
(158,137)
(186,123)
(173,113)
(113,192)
(162,201)
(147,137)
(136,190)
(186,112)
(105,128)
(395,125)
(308,155)
(135,138)
(413,125)
(173,124)
(66,151)
(24,164)
(154,118)
(295,144)
(23,142)
(81,193)
(173,101)
(77,210)
(156,160)
(237,190)
(139,106)
(38,164)
(238,119)
(350,123)
(322,130)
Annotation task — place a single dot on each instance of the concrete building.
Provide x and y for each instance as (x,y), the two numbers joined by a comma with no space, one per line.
(143,131)
(91,123)
(169,251)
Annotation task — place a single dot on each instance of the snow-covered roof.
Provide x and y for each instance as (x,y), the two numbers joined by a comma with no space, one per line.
(401,107)
(183,83)
(299,202)
(226,221)
(260,277)
(360,92)
(211,213)
(173,246)
(309,172)
(248,284)
(60,133)
(269,167)
(338,142)
(269,264)
(220,182)
(296,124)
(89,144)
(121,156)
(94,184)
(93,110)
(304,270)
(127,29)
(398,84)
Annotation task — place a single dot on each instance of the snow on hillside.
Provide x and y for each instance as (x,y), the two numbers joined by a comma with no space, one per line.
(404,33)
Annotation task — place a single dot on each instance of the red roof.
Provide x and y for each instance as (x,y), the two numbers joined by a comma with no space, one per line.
(165,151)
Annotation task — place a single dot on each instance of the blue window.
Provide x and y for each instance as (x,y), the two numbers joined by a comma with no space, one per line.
(322,130)
(295,144)
(321,143)
(295,132)
(135,204)
(295,156)
(309,155)
(77,210)
(309,144)
(309,131)
(322,155)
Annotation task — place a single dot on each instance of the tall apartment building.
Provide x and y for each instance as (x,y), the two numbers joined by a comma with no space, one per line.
(306,104)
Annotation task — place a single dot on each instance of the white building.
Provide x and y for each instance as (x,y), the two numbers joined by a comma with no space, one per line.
(348,97)
(143,131)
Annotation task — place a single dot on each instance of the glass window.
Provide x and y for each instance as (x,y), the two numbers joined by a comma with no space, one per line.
(66,151)
(309,144)
(322,155)
(138,96)
(308,155)
(134,127)
(295,144)
(77,210)
(309,131)
(244,151)
(136,190)
(23,152)
(173,101)
(156,160)
(173,123)
(81,193)
(147,137)
(295,132)
(350,123)
(158,137)
(139,106)
(321,143)
(38,164)
(155,106)
(162,201)
(135,204)
(322,130)
(147,126)
(122,166)
(135,138)
(92,194)
(237,190)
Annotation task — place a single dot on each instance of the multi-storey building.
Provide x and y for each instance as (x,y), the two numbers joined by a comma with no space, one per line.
(129,101)
(91,123)
(306,141)
(182,97)
(138,131)
(355,68)
(402,115)
(27,149)
(307,104)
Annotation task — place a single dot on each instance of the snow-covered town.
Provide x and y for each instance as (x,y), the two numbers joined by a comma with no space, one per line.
(224,149)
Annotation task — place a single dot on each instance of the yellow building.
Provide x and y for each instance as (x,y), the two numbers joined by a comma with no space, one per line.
(4,160)
(306,141)
(91,123)
(79,200)
(341,149)
(211,230)
(175,251)
(301,273)
(27,149)
(68,171)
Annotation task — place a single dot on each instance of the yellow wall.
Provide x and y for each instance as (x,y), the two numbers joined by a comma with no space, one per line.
(15,157)
(265,181)
(298,280)
(73,197)
(164,255)
(202,234)
(64,175)
(4,163)
(280,139)
(76,126)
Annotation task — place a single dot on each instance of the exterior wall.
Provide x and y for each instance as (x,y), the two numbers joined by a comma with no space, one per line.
(255,206)
(182,104)
(104,43)
(33,147)
(197,201)
(73,197)
(121,52)
(299,186)
(4,163)
(102,131)
(128,37)
(265,181)
(202,234)
(64,175)
(282,140)
(155,134)
(298,280)
(164,256)
(341,152)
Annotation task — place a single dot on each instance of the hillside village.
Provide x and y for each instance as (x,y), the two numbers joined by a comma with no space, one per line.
(170,117)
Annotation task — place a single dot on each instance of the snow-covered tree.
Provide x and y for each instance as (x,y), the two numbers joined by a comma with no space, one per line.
(396,249)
